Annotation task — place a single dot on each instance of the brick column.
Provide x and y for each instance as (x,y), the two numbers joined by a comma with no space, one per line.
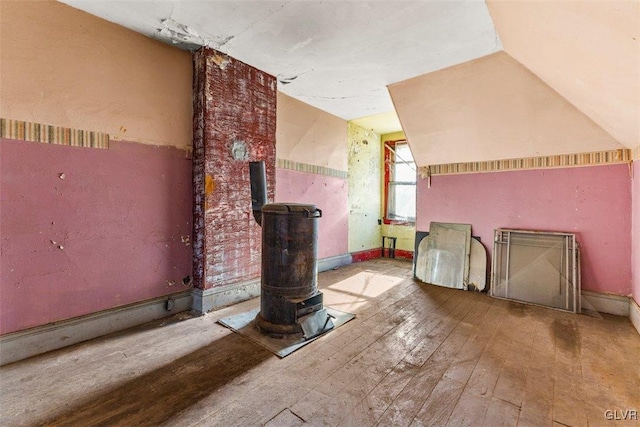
(234,123)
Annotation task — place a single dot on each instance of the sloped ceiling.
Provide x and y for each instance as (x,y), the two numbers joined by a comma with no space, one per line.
(381,124)
(588,51)
(337,56)
(308,135)
(488,109)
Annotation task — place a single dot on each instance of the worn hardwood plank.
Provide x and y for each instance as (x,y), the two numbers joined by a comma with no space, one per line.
(370,409)
(416,354)
(438,407)
(408,402)
(537,403)
(470,410)
(285,418)
(500,413)
(448,339)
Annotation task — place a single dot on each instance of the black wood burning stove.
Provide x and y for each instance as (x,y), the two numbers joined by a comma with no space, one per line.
(290,302)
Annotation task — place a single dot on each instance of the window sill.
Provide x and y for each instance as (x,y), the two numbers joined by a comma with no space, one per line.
(388,221)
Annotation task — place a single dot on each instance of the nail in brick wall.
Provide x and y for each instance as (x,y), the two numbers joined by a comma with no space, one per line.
(234,123)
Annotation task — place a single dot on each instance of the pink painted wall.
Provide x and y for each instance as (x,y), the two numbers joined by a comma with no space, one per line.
(635,231)
(593,202)
(329,194)
(119,215)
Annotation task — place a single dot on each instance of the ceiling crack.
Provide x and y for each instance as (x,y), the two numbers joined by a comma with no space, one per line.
(251,25)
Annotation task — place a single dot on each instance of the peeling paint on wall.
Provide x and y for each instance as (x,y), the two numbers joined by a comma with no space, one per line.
(221,61)
(234,122)
(364,177)
(182,35)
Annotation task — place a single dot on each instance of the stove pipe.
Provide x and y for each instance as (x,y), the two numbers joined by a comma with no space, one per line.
(258,179)
(290,302)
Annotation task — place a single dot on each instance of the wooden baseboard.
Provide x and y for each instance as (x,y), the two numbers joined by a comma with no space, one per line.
(402,254)
(606,303)
(212,299)
(366,255)
(634,313)
(329,263)
(31,342)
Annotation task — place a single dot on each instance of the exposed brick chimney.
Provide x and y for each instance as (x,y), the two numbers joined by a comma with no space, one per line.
(234,123)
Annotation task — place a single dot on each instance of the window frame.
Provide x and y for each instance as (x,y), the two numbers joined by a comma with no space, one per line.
(388,146)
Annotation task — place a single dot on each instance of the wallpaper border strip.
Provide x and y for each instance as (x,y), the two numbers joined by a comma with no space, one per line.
(50,134)
(307,168)
(622,155)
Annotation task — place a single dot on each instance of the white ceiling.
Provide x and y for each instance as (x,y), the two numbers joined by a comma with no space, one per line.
(338,56)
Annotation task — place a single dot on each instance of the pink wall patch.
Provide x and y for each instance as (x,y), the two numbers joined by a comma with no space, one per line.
(593,202)
(326,192)
(85,230)
(635,232)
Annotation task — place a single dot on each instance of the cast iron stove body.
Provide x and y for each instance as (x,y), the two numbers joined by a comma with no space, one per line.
(290,302)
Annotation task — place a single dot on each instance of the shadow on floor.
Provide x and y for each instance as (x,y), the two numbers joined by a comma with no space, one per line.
(155,397)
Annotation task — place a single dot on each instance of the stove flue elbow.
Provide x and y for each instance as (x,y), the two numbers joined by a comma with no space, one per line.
(258,178)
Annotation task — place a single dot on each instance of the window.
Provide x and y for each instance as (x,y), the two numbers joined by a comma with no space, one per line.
(400,183)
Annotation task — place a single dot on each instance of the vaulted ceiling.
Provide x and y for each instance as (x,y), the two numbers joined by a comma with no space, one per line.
(348,57)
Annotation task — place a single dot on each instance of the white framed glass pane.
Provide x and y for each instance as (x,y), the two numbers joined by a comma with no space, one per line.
(404,169)
(403,151)
(404,172)
(402,201)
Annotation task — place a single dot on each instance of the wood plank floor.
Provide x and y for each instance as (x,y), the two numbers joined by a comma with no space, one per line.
(415,355)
